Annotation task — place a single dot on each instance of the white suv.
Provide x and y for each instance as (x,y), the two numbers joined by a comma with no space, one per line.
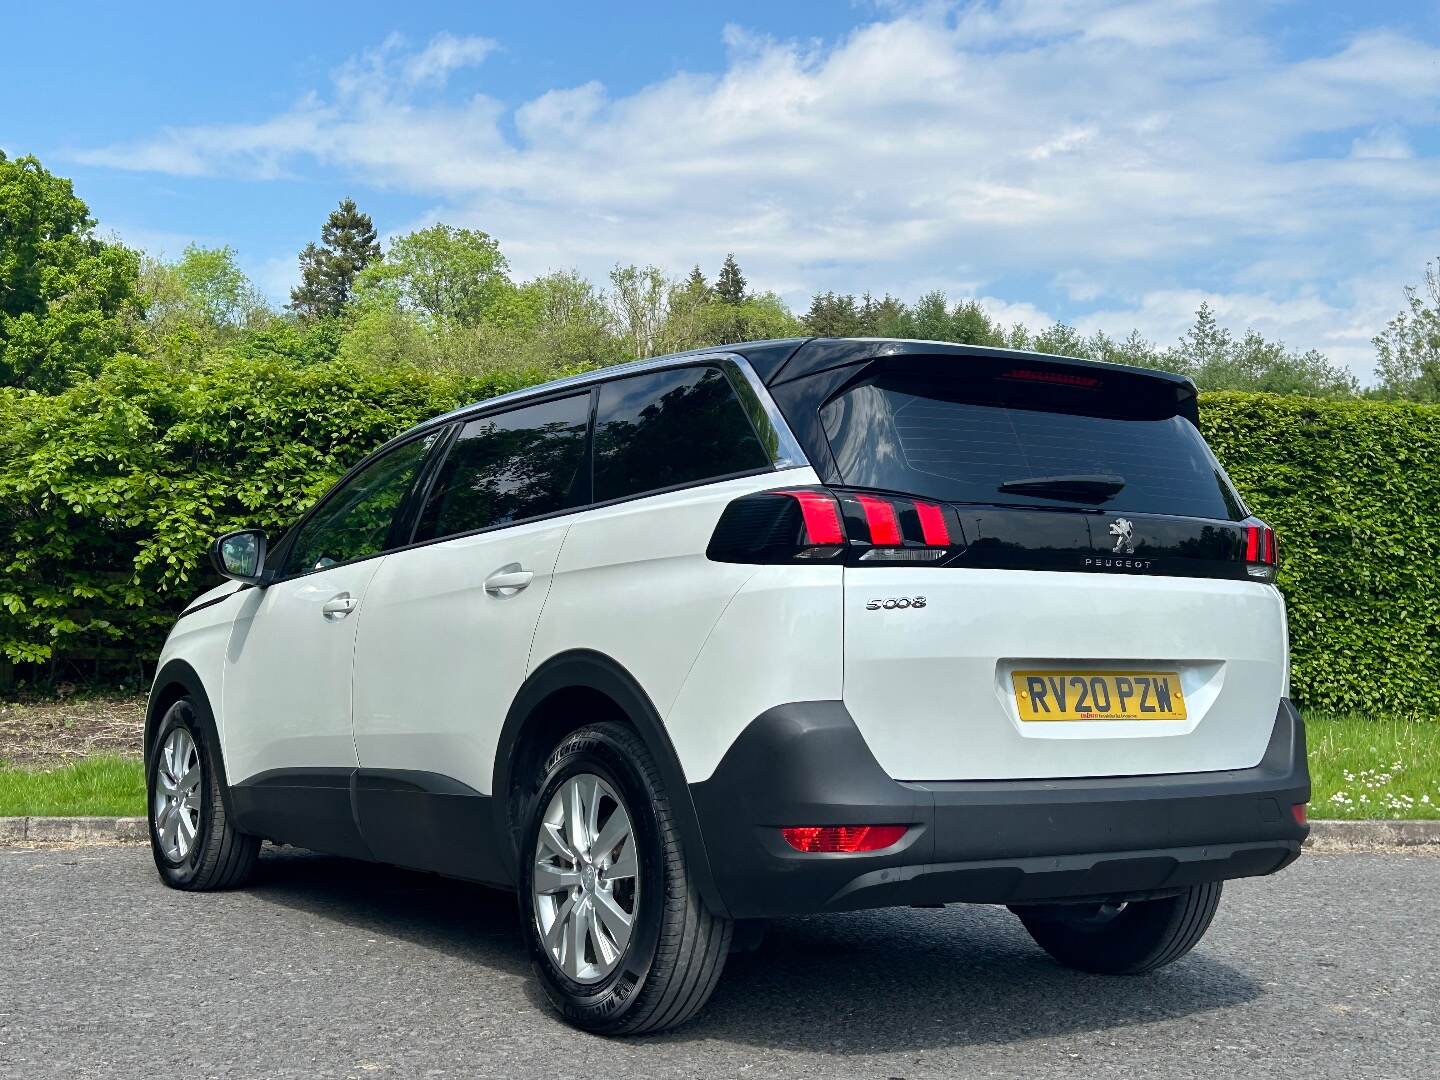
(788,627)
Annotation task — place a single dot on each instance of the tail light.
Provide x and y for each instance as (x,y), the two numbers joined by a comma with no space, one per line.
(842,839)
(819,525)
(1262,557)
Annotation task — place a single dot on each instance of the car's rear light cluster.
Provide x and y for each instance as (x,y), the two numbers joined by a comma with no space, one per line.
(842,839)
(819,525)
(1261,554)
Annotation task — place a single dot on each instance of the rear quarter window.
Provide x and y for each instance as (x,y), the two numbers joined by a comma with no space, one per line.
(670,428)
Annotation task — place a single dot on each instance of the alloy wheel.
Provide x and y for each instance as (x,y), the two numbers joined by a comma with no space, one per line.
(586,879)
(176,802)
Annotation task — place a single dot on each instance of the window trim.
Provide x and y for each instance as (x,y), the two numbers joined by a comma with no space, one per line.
(786,456)
(583,470)
(282,549)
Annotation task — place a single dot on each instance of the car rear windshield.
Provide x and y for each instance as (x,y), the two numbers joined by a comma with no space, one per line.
(1030,438)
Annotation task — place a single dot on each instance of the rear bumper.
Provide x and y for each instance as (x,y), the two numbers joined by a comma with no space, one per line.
(997,842)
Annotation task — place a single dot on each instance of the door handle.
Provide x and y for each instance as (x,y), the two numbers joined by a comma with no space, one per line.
(508,580)
(337,607)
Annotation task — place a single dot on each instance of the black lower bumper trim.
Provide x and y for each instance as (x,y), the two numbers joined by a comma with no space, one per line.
(1008,842)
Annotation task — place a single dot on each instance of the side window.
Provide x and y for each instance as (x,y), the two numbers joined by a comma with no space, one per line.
(508,467)
(669,428)
(354,520)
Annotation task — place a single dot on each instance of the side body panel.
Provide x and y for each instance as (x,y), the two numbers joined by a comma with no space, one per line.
(633,583)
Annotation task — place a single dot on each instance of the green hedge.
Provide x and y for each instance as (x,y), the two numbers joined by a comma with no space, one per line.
(111,491)
(1353,490)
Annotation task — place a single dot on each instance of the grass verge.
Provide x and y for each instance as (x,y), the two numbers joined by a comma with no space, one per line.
(102,786)
(1366,767)
(1360,767)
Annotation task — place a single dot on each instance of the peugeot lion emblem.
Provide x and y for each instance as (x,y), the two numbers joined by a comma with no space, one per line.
(1123,529)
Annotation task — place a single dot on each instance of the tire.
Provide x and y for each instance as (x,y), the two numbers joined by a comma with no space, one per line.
(667,968)
(1130,939)
(196,847)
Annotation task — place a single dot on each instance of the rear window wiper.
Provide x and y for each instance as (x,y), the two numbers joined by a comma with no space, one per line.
(1082,487)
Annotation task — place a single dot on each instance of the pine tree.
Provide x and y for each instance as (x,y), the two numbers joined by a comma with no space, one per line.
(730,285)
(327,272)
(696,284)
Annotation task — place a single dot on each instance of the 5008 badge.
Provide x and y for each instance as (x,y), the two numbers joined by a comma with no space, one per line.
(895,602)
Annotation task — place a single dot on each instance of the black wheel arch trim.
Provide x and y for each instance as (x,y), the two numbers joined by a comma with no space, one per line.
(591,670)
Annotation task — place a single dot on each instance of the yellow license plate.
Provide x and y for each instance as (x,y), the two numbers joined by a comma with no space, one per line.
(1098,695)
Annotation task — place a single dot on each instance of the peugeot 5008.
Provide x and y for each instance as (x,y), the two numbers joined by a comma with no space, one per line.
(778,628)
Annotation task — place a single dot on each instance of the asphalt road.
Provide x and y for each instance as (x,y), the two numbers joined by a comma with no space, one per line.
(326,968)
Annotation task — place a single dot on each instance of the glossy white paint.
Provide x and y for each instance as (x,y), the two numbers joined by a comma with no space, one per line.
(930,687)
(286,684)
(780,639)
(633,583)
(200,639)
(439,658)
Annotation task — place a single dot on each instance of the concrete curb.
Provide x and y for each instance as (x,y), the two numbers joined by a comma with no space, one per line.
(1324,835)
(72,830)
(1367,835)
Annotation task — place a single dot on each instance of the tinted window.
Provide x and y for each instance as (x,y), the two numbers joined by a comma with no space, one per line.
(509,467)
(355,519)
(670,428)
(932,438)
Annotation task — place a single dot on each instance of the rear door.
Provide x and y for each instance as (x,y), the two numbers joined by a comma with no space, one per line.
(1102,609)
(447,632)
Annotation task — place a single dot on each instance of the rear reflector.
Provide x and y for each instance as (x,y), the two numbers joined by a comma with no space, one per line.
(842,839)
(1300,813)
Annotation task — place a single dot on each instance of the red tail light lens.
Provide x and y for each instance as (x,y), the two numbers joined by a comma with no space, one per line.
(880,519)
(842,839)
(821,515)
(821,525)
(933,526)
(1261,551)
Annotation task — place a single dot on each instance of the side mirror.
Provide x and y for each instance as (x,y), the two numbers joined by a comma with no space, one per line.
(240,555)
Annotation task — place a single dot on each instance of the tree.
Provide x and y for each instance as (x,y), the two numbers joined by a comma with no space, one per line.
(1408,361)
(1211,355)
(696,282)
(443,274)
(730,285)
(67,300)
(199,301)
(327,273)
(832,315)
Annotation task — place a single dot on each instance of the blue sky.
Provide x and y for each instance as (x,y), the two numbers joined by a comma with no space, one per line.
(1108,164)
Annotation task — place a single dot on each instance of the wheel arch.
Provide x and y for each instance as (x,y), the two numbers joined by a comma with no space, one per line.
(536,722)
(175,680)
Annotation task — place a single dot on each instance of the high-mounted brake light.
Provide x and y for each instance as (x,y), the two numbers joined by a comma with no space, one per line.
(843,839)
(1058,378)
(1261,552)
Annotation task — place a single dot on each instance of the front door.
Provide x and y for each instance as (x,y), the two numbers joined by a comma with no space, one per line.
(289,747)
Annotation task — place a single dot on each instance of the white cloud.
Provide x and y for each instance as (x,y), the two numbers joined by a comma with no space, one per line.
(1146,152)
